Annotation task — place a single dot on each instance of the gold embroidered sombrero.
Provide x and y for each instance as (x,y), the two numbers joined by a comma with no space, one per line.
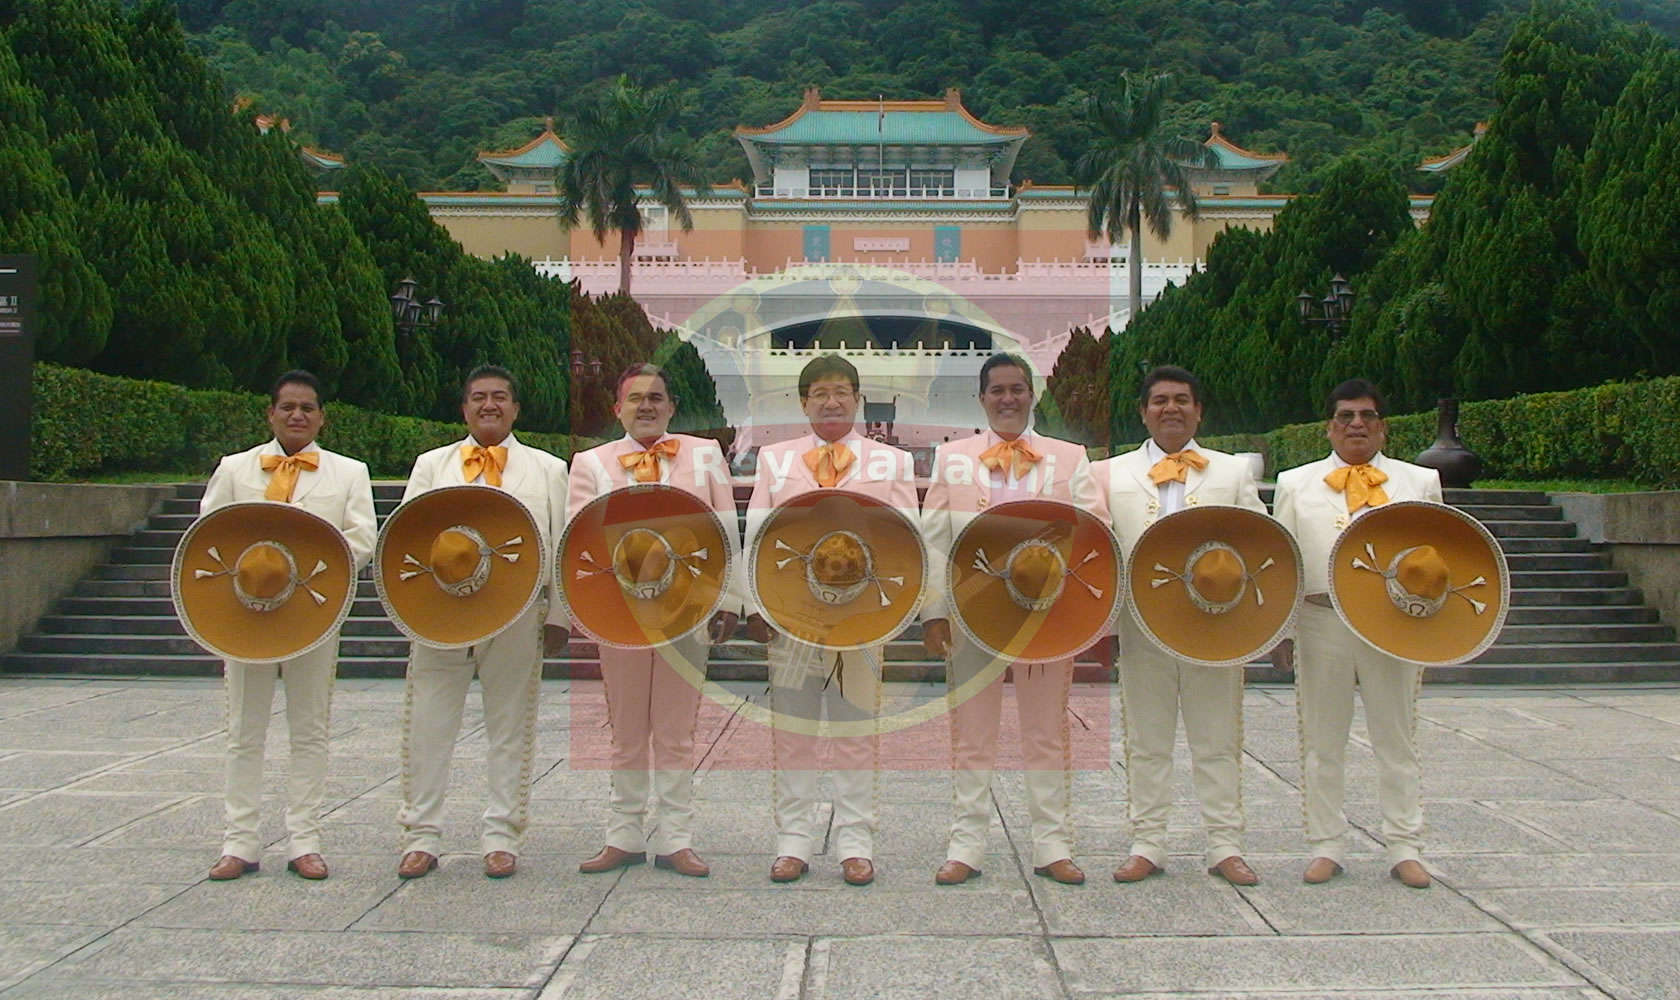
(644,566)
(1033,581)
(455,566)
(838,569)
(262,582)
(1420,581)
(1215,585)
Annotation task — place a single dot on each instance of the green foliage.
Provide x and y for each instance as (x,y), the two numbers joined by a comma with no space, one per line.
(1613,431)
(88,424)
(418,87)
(1076,398)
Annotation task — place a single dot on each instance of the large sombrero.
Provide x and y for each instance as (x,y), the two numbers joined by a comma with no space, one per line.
(1420,581)
(1215,585)
(261,581)
(1033,581)
(838,569)
(455,566)
(643,566)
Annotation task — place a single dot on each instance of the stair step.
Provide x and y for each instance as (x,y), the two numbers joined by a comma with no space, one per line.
(1511,512)
(1524,546)
(1530,529)
(1595,632)
(1553,580)
(129,571)
(1582,652)
(1630,614)
(1475,497)
(1562,672)
(1530,562)
(1577,597)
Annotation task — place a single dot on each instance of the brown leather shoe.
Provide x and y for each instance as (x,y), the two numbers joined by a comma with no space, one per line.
(500,864)
(309,866)
(1063,871)
(954,873)
(857,871)
(1412,874)
(1320,870)
(1235,871)
(683,862)
(786,869)
(228,867)
(415,864)
(611,859)
(1136,869)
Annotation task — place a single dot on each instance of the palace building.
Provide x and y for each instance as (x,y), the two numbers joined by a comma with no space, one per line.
(888,230)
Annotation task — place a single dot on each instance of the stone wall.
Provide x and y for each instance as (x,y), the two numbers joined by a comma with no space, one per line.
(54,534)
(1641,531)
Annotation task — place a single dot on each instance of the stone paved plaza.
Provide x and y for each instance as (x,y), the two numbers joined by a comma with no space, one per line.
(1555,830)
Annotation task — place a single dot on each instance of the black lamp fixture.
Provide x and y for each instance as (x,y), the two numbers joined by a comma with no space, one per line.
(408,312)
(581,368)
(1333,311)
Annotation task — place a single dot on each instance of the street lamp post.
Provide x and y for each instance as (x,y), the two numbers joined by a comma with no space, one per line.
(409,313)
(1333,311)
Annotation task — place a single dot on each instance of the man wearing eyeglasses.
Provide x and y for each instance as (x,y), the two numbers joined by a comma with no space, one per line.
(1316,502)
(806,680)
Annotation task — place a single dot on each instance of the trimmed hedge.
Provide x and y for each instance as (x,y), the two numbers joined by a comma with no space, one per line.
(87,424)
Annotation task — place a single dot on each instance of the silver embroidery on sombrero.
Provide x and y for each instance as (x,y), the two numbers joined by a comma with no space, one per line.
(480,574)
(645,590)
(838,593)
(1045,603)
(252,601)
(1415,605)
(1202,601)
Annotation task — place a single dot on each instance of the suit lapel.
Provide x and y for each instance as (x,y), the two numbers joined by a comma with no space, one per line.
(1137,462)
(307,478)
(518,465)
(1193,479)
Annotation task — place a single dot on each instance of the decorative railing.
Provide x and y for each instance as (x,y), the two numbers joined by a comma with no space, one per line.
(885,194)
(737,269)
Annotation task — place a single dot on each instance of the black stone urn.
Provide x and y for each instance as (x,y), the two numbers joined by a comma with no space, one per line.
(1458,465)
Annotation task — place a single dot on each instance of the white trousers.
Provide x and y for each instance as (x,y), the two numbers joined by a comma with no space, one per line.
(1330,662)
(847,689)
(308,681)
(1154,690)
(509,669)
(652,708)
(1041,699)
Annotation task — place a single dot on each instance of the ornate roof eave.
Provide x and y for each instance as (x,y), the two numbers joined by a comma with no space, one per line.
(521,157)
(813,101)
(1235,160)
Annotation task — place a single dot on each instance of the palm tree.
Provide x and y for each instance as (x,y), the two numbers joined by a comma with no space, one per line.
(1134,173)
(618,141)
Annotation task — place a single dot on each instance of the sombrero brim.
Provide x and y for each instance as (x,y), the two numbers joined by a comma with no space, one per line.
(596,601)
(214,617)
(421,609)
(992,620)
(1170,619)
(785,599)
(1454,634)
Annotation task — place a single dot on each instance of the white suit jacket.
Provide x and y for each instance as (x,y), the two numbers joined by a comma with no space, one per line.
(878,470)
(698,467)
(961,490)
(1316,514)
(536,478)
(1134,501)
(339,490)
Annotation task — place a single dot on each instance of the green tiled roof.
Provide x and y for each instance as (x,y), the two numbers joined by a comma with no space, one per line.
(545,152)
(900,128)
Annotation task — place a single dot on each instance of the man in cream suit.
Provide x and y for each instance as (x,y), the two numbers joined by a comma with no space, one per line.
(648,700)
(804,679)
(1008,462)
(509,666)
(291,468)
(1167,474)
(1316,501)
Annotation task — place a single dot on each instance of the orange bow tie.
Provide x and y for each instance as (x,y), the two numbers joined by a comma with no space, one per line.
(286,469)
(1176,466)
(477,460)
(1017,456)
(1361,484)
(829,463)
(644,465)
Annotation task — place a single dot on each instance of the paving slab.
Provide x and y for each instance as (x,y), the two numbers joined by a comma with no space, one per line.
(688,968)
(979,908)
(1604,825)
(29,948)
(885,968)
(1628,964)
(1364,900)
(1584,906)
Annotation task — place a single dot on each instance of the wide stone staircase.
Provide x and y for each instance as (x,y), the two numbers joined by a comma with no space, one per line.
(1572,620)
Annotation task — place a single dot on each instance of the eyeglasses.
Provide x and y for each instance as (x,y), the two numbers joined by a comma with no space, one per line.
(1345,417)
(836,395)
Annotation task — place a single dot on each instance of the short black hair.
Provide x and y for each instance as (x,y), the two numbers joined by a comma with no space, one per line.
(636,371)
(1355,388)
(826,366)
(490,371)
(1170,373)
(297,376)
(1003,359)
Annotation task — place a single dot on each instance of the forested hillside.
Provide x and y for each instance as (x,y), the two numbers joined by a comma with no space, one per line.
(418,86)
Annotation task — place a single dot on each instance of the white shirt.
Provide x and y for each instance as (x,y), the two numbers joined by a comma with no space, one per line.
(1171,491)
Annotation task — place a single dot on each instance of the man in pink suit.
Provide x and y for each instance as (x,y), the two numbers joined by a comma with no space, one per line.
(804,679)
(649,701)
(1008,462)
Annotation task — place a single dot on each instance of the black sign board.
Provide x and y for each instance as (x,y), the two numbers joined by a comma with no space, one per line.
(17,361)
